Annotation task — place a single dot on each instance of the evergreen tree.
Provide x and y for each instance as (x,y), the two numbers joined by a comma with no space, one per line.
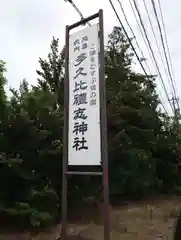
(141,140)
(135,122)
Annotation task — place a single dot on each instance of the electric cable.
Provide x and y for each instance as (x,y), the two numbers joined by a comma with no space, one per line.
(122,26)
(150,47)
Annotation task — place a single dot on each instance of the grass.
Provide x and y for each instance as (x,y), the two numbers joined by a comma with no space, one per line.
(149,220)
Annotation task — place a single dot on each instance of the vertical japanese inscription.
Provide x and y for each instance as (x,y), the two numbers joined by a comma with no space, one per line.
(93,69)
(80,125)
(84,141)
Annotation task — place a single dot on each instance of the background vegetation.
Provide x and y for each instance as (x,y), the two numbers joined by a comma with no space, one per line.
(144,153)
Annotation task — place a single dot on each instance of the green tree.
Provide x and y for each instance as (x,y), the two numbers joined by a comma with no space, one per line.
(135,122)
(141,140)
(2,90)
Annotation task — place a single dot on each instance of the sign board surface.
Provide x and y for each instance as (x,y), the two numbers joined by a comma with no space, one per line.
(84,139)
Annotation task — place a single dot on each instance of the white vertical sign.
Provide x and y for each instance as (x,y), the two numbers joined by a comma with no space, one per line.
(84,143)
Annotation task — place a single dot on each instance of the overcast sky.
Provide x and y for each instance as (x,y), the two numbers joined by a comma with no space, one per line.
(27,28)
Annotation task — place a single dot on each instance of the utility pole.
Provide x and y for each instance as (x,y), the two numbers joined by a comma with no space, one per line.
(176,126)
(176,110)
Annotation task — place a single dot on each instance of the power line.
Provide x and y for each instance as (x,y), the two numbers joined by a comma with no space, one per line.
(141,22)
(122,26)
(147,46)
(166,40)
(128,38)
(133,35)
(142,34)
(135,38)
(163,44)
(155,37)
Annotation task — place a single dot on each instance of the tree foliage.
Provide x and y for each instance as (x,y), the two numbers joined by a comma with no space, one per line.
(141,140)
